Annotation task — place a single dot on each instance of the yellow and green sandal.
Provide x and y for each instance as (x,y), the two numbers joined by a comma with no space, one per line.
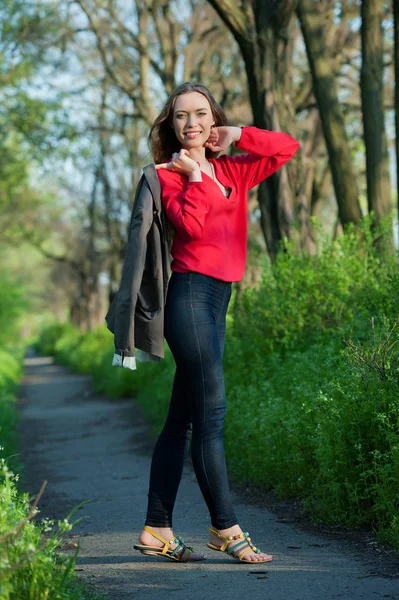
(234,551)
(181,553)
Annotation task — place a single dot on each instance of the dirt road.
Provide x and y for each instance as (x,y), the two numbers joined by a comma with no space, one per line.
(93,448)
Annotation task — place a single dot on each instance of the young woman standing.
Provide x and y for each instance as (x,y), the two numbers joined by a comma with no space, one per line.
(205,200)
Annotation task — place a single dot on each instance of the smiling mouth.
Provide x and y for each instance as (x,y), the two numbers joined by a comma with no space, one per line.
(192,134)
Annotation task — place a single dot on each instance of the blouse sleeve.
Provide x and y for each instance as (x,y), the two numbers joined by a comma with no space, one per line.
(185,203)
(267,151)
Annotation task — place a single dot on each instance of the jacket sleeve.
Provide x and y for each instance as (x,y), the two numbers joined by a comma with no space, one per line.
(267,151)
(132,274)
(185,202)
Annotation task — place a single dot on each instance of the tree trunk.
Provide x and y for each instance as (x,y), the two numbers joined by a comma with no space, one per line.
(396,62)
(372,93)
(262,31)
(332,118)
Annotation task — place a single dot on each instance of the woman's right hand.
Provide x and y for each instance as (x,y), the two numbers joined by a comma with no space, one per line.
(181,163)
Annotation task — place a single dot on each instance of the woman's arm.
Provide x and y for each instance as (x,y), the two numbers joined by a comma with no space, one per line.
(183,198)
(184,202)
(267,151)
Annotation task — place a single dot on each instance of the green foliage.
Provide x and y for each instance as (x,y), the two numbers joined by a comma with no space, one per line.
(115,382)
(83,353)
(10,372)
(49,336)
(10,369)
(320,385)
(302,297)
(31,567)
(80,351)
(357,443)
(26,28)
(26,132)
(154,388)
(12,305)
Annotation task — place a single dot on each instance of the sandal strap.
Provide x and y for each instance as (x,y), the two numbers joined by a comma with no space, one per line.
(181,547)
(233,549)
(244,536)
(244,553)
(227,539)
(166,543)
(248,539)
(159,537)
(221,537)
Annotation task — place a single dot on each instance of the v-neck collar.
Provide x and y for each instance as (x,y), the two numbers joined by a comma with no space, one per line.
(229,187)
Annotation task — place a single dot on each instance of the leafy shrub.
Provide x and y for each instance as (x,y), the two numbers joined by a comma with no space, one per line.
(12,305)
(301,298)
(49,336)
(10,368)
(10,372)
(357,444)
(31,567)
(83,352)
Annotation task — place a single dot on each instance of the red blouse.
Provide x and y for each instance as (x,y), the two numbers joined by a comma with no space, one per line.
(211,230)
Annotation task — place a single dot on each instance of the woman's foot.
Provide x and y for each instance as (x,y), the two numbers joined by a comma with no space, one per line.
(149,540)
(146,539)
(233,531)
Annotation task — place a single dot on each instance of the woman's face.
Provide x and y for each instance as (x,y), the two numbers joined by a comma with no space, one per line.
(192,119)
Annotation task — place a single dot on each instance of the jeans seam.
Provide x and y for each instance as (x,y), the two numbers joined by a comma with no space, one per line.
(222,307)
(203,383)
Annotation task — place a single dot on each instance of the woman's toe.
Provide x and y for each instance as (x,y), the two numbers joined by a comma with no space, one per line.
(267,557)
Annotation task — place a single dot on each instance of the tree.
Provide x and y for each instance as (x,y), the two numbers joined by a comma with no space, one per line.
(372,94)
(396,67)
(263,30)
(311,16)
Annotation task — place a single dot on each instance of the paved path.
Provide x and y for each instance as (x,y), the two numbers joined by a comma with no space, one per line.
(92,448)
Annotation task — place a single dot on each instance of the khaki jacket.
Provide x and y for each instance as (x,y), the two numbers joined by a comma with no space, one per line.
(136,315)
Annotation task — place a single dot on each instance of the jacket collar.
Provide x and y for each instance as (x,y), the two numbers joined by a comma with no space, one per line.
(150,173)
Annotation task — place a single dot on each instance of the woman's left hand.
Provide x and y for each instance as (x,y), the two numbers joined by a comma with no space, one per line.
(220,138)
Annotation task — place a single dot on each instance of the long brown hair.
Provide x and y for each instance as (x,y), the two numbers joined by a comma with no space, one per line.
(162,140)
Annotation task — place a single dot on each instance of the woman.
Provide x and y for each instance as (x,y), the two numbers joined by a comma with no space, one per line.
(205,200)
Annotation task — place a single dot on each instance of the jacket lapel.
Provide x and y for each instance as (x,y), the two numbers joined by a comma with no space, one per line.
(150,174)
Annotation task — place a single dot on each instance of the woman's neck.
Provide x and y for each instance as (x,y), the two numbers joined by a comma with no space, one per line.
(198,154)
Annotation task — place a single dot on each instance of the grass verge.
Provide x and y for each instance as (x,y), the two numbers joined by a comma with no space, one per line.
(31,565)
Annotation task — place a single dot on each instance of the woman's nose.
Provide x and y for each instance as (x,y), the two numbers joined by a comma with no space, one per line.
(191,120)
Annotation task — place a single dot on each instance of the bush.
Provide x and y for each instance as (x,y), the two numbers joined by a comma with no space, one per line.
(313,409)
(12,306)
(357,443)
(301,298)
(49,336)
(10,372)
(31,567)
(10,369)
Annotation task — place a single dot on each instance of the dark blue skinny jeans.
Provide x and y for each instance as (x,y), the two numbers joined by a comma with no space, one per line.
(195,327)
